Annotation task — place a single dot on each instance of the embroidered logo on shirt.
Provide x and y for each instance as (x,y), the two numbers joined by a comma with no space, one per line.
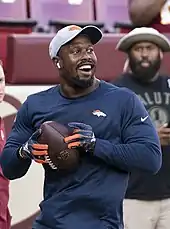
(99,113)
(143,119)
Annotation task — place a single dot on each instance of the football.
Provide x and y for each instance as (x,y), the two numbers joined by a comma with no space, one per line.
(59,156)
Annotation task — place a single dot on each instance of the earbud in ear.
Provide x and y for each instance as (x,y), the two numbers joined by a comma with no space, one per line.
(58,65)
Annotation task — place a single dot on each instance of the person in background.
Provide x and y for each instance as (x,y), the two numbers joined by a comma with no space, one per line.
(5,218)
(150,13)
(147,200)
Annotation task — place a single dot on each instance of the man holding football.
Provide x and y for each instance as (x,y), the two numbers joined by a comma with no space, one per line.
(106,137)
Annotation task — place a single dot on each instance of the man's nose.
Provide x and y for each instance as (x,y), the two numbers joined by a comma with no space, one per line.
(144,53)
(86,55)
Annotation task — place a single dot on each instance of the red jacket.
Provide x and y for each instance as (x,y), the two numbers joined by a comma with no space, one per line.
(5,218)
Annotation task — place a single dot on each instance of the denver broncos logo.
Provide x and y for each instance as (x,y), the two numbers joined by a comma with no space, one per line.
(74,27)
(99,113)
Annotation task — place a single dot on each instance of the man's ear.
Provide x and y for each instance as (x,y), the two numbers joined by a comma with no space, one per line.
(58,65)
(161,54)
(56,61)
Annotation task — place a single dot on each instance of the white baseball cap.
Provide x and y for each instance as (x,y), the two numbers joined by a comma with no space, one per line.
(68,33)
(143,34)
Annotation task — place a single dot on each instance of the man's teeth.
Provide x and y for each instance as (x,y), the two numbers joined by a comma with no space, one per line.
(85,67)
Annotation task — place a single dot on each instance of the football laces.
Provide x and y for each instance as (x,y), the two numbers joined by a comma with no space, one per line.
(51,164)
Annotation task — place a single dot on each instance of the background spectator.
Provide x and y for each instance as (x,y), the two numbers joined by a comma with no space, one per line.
(147,203)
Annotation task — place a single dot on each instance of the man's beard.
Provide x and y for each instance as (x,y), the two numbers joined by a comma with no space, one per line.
(79,83)
(76,82)
(144,74)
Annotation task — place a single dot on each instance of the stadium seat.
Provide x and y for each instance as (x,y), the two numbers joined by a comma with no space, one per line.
(17,26)
(111,11)
(58,24)
(45,10)
(121,27)
(15,10)
(28,61)
(13,26)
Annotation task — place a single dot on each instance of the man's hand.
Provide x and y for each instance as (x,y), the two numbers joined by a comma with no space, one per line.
(164,135)
(33,150)
(83,137)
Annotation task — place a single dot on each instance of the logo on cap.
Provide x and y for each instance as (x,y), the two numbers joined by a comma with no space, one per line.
(74,27)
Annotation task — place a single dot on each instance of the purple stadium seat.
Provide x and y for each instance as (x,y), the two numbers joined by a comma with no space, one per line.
(111,11)
(15,10)
(45,10)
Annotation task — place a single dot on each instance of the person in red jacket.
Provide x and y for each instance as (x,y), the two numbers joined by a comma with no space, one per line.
(5,218)
(152,13)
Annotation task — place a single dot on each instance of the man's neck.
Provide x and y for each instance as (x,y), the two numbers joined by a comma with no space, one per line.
(71,92)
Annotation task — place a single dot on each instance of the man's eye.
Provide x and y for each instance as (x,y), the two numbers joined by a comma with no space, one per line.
(90,50)
(138,49)
(75,51)
(150,48)
(1,80)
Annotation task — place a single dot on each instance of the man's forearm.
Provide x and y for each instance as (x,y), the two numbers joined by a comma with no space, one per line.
(13,167)
(143,12)
(142,156)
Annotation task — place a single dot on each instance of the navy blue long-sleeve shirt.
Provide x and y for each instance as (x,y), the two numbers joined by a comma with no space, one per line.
(90,197)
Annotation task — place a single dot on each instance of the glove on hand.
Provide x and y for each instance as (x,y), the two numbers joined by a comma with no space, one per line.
(33,150)
(82,136)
